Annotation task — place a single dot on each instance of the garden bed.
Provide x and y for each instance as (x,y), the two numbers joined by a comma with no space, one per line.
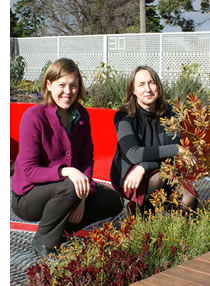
(137,249)
(193,272)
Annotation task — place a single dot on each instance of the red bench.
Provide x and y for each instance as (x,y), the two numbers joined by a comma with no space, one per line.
(103,135)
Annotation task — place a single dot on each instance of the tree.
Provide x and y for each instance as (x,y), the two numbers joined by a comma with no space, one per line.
(67,17)
(89,16)
(205,6)
(82,17)
(172,11)
(142,16)
(15,30)
(28,18)
(152,18)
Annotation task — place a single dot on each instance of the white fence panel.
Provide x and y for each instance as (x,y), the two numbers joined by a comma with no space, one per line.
(165,52)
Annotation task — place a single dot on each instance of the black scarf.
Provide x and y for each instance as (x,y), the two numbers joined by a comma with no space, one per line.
(149,124)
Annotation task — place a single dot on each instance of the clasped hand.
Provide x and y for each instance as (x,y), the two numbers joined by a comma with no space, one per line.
(80,181)
(188,157)
(134,179)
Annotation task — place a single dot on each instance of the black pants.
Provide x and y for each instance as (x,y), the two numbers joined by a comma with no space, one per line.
(53,203)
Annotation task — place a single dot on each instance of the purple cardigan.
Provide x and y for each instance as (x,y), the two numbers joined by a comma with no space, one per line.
(45,146)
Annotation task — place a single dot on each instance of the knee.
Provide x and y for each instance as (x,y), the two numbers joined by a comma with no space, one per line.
(66,189)
(156,182)
(188,200)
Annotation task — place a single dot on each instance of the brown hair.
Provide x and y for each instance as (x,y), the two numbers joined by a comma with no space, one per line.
(131,99)
(56,70)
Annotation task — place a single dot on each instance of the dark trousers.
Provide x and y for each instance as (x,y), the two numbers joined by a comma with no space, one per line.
(51,204)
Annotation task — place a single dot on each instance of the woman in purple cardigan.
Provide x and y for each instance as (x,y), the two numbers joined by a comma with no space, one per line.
(52,182)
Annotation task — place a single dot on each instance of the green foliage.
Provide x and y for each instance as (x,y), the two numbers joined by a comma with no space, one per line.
(187,83)
(184,231)
(172,12)
(152,20)
(15,29)
(38,82)
(24,85)
(28,18)
(205,6)
(17,67)
(108,88)
(25,90)
(70,17)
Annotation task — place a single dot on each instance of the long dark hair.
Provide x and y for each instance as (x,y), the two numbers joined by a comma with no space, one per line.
(56,70)
(131,99)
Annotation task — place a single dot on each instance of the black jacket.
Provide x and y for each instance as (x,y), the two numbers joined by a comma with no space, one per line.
(132,149)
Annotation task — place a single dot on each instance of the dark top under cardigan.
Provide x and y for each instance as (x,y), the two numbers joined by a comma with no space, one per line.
(138,146)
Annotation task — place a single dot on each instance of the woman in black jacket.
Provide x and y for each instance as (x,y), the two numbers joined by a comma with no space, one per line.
(142,142)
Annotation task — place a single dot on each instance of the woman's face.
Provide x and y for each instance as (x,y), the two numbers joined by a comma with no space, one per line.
(64,90)
(145,90)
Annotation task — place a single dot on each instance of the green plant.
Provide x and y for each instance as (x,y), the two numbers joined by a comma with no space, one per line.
(17,67)
(108,88)
(188,82)
(38,82)
(25,86)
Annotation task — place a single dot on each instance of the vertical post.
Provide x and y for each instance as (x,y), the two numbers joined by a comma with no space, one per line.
(58,47)
(105,49)
(161,54)
(142,15)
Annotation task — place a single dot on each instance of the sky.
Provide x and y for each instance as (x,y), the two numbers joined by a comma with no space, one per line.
(197,16)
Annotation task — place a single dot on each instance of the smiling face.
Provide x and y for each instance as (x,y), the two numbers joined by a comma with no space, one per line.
(146,90)
(64,91)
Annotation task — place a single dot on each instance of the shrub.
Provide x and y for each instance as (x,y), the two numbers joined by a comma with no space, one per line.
(193,163)
(108,88)
(17,67)
(38,82)
(28,91)
(187,83)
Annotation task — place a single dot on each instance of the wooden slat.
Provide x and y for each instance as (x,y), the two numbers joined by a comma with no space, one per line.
(145,282)
(204,257)
(189,275)
(198,265)
(164,280)
(195,272)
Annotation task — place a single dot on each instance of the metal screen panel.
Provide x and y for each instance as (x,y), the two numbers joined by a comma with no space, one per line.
(165,52)
(185,48)
(37,52)
(125,52)
(86,51)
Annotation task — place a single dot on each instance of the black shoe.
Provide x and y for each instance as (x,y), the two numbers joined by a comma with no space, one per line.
(42,250)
